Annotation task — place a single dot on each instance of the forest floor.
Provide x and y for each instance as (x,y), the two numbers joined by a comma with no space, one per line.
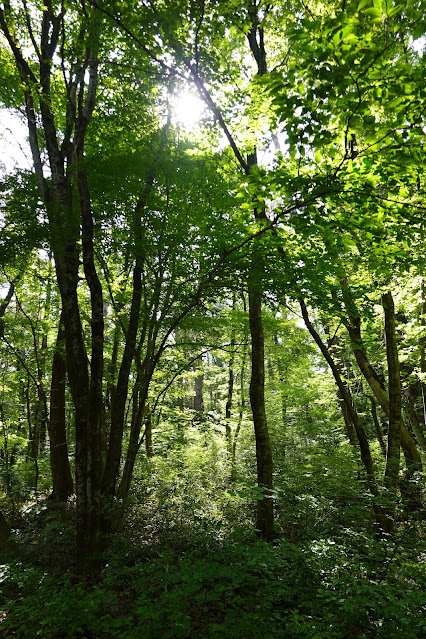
(175,574)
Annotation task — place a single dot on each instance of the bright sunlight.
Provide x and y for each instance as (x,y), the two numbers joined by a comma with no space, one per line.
(188,109)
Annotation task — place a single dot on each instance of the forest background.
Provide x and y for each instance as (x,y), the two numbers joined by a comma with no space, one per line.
(212,338)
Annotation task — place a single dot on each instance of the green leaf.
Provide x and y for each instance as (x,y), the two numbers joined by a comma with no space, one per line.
(363,4)
(394,10)
(376,14)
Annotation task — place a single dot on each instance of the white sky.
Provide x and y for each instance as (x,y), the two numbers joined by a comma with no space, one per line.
(14,148)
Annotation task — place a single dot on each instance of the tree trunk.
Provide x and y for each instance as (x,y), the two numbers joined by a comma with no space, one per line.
(140,393)
(353,326)
(119,397)
(377,424)
(353,415)
(395,415)
(229,399)
(422,346)
(409,405)
(265,506)
(63,486)
(240,416)
(198,386)
(334,350)
(148,433)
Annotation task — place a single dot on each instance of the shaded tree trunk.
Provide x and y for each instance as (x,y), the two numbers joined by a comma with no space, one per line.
(395,415)
(240,414)
(353,326)
(229,400)
(198,386)
(265,506)
(140,393)
(409,398)
(148,432)
(377,424)
(119,396)
(353,415)
(63,485)
(334,349)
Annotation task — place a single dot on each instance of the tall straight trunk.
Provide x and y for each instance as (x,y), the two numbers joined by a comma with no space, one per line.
(63,485)
(395,415)
(86,458)
(265,506)
(241,412)
(229,400)
(422,346)
(255,37)
(67,203)
(148,432)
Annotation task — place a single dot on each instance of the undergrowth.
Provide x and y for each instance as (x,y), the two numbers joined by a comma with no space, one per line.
(198,578)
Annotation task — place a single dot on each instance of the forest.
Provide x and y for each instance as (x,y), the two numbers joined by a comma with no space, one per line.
(212,319)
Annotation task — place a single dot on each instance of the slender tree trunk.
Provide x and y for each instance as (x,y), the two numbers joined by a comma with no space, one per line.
(422,345)
(198,386)
(409,405)
(349,427)
(140,393)
(229,399)
(377,424)
(353,415)
(148,432)
(334,349)
(240,416)
(63,485)
(119,399)
(265,506)
(353,326)
(395,415)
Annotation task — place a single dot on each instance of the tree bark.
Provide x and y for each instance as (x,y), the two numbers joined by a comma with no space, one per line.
(395,416)
(241,411)
(229,399)
(119,398)
(353,326)
(377,424)
(148,432)
(140,394)
(63,485)
(265,506)
(198,386)
(364,445)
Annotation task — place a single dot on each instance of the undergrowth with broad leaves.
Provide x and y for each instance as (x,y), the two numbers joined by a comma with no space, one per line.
(185,563)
